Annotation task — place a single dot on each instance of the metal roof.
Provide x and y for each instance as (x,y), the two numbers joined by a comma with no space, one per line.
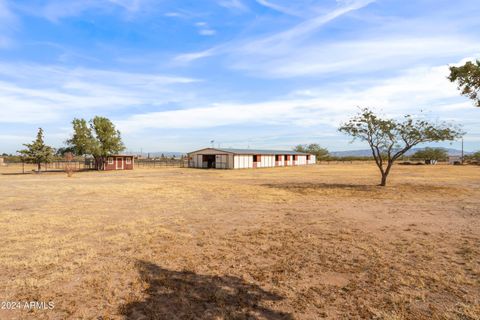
(254,151)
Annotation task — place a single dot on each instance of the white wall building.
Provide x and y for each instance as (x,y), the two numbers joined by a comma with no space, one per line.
(455,160)
(221,158)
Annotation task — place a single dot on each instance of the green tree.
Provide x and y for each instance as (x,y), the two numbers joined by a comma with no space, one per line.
(83,141)
(467,78)
(431,154)
(108,137)
(37,152)
(475,156)
(389,139)
(99,138)
(60,152)
(313,148)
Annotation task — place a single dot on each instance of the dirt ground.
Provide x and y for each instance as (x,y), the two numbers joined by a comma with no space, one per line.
(282,243)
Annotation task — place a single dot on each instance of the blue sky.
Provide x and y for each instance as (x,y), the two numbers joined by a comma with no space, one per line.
(174,75)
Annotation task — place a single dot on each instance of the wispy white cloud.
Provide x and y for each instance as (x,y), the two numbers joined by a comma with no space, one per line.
(17,138)
(236,5)
(305,8)
(130,5)
(349,57)
(62,91)
(8,23)
(204,29)
(55,10)
(309,26)
(174,14)
(7,17)
(416,89)
(65,90)
(186,58)
(4,41)
(295,52)
(277,42)
(341,54)
(207,32)
(182,13)
(53,74)
(65,93)
(274,6)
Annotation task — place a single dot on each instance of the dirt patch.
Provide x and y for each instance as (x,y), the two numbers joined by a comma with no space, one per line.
(370,191)
(334,279)
(285,243)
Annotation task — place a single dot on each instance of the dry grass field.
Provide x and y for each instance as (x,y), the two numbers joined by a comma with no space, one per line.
(285,243)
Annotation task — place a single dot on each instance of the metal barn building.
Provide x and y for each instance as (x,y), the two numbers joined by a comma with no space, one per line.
(221,158)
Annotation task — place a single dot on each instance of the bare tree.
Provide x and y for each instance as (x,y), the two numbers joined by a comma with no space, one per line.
(69,167)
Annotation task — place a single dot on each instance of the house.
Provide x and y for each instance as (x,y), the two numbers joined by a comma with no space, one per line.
(119,162)
(222,158)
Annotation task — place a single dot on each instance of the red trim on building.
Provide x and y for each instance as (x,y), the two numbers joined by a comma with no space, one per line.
(119,162)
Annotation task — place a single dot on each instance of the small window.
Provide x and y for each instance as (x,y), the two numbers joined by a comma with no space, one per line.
(277,158)
(110,160)
(308,157)
(286,158)
(255,158)
(128,160)
(294,158)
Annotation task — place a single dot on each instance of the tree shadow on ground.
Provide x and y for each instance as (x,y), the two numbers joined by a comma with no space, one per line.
(308,186)
(43,172)
(187,295)
(15,173)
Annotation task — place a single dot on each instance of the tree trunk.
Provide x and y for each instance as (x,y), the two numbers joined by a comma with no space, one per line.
(383,183)
(98,163)
(39,167)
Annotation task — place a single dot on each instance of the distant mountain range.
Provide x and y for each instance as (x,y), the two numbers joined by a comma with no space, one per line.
(368,152)
(158,154)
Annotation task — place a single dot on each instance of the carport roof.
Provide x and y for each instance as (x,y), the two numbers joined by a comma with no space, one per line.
(254,151)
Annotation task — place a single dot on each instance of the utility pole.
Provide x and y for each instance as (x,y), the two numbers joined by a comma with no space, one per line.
(462,151)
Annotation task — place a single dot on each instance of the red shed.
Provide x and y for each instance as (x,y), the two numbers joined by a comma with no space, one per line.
(119,162)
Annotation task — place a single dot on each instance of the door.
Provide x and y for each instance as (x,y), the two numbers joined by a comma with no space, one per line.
(119,163)
(209,161)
